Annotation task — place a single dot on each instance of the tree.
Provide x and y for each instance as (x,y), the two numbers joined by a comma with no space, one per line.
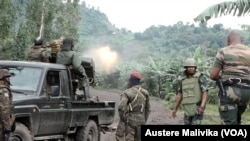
(24,20)
(236,8)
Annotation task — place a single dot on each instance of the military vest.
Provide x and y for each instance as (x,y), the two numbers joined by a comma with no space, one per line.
(191,90)
(35,54)
(191,93)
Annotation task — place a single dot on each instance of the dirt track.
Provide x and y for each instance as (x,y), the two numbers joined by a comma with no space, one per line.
(159,114)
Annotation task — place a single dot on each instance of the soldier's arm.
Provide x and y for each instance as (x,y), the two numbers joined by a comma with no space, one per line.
(147,107)
(204,88)
(217,67)
(5,109)
(122,107)
(77,65)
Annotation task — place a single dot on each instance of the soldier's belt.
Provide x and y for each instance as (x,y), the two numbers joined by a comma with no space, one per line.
(238,83)
(233,81)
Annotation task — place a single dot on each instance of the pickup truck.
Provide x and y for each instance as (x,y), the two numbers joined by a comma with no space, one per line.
(46,108)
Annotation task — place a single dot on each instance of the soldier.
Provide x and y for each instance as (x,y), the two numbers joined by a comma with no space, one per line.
(134,109)
(6,107)
(71,59)
(192,94)
(38,52)
(232,67)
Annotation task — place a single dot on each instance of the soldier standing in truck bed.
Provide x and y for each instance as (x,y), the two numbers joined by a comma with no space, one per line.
(70,58)
(38,52)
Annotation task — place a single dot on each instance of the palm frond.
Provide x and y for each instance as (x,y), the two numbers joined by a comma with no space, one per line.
(236,8)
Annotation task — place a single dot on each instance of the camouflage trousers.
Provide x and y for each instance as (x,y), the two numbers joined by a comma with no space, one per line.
(2,136)
(233,104)
(133,134)
(193,120)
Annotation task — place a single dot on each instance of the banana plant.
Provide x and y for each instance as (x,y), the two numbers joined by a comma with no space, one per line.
(236,8)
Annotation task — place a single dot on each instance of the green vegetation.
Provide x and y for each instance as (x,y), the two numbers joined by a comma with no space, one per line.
(158,52)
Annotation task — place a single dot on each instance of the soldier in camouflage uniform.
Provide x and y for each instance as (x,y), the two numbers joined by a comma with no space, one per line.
(232,67)
(192,94)
(70,58)
(38,52)
(6,107)
(134,109)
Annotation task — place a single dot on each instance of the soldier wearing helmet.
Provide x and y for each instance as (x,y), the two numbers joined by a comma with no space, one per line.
(6,106)
(192,94)
(38,52)
(134,109)
(70,58)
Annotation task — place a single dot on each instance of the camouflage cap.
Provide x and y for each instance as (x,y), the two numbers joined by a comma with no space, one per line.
(4,73)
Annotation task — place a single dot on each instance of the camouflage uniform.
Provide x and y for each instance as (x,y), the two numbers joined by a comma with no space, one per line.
(6,106)
(234,61)
(134,109)
(71,59)
(38,52)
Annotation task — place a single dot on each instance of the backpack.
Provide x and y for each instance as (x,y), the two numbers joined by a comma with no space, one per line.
(35,54)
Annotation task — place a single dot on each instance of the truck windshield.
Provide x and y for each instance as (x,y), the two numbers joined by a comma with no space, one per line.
(25,78)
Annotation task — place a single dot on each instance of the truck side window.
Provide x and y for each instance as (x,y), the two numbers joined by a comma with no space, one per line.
(53,80)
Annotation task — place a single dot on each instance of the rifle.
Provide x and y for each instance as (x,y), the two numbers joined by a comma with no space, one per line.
(221,88)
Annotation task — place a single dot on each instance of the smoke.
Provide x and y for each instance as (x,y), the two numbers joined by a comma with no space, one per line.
(105,59)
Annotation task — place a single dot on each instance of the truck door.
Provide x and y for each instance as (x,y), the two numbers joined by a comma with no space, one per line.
(54,114)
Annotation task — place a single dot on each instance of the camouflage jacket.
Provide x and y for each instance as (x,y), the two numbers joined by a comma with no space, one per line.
(38,54)
(234,61)
(134,105)
(6,106)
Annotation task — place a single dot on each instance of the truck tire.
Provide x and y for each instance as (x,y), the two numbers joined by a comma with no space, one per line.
(21,133)
(88,133)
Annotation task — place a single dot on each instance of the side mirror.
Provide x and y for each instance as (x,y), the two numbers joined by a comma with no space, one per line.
(54,90)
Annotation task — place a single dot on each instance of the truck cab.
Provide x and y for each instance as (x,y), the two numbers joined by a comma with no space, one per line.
(46,108)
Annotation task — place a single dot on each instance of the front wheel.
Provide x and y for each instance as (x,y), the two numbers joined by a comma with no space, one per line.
(21,133)
(88,133)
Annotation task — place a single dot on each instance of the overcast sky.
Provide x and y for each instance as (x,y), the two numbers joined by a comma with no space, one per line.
(137,15)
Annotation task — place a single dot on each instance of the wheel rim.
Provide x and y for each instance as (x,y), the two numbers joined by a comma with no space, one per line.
(91,135)
(15,138)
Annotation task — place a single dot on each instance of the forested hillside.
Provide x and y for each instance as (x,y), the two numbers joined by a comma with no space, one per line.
(158,52)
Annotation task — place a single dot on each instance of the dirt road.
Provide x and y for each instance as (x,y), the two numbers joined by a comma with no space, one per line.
(159,114)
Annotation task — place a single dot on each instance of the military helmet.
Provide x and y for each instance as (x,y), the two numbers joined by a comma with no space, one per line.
(136,75)
(38,41)
(190,62)
(4,73)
